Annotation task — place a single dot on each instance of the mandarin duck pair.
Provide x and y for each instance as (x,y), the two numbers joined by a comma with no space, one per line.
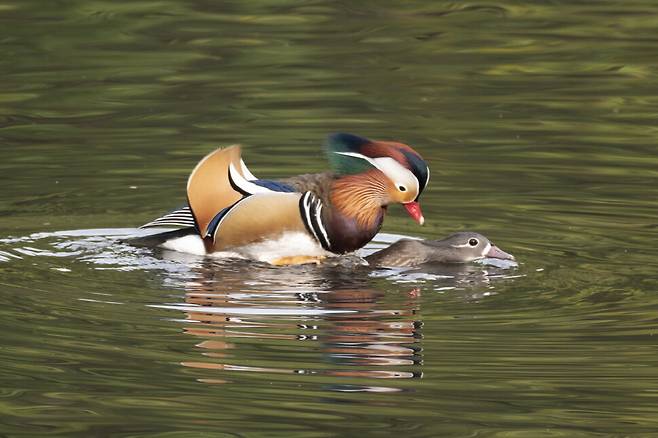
(299,219)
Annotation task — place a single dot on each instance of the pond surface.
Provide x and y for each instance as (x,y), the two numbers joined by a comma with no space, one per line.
(538,120)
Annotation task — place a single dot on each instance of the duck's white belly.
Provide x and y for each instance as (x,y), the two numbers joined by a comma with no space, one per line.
(190,244)
(287,245)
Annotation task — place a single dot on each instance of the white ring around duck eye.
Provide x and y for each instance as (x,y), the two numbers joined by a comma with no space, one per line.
(473,242)
(402,188)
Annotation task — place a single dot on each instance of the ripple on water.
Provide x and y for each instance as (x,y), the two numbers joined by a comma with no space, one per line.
(334,323)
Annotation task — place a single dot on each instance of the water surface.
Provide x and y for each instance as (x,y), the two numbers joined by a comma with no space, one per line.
(538,121)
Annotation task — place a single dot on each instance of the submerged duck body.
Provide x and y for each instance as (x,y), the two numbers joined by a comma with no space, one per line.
(313,215)
(459,247)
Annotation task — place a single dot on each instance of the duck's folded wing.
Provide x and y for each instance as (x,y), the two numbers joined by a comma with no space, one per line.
(403,253)
(256,218)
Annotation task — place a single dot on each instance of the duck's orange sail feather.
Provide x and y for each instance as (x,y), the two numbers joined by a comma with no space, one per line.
(208,187)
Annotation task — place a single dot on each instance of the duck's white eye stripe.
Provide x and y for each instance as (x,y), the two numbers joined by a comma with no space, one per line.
(396,172)
(353,154)
(391,168)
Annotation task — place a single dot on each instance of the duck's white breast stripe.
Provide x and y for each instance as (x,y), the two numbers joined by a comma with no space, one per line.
(311,207)
(306,207)
(318,218)
(316,222)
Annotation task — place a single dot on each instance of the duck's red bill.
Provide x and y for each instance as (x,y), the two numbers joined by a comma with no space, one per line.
(497,253)
(413,208)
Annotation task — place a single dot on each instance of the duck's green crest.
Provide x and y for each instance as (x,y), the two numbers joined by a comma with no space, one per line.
(339,147)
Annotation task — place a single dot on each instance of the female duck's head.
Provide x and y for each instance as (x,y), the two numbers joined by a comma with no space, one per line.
(466,246)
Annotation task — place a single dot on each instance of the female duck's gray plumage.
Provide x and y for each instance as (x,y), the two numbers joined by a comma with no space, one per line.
(460,247)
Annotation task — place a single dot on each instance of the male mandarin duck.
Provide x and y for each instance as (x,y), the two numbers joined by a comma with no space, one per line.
(302,218)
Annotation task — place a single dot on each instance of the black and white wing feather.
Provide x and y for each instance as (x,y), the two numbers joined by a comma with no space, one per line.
(181,218)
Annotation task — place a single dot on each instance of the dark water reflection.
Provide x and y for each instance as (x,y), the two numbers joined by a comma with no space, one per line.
(537,118)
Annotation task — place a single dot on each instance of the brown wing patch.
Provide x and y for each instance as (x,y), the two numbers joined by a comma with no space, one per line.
(259,217)
(208,187)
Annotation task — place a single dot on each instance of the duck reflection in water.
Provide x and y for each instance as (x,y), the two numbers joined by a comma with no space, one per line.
(250,313)
(260,314)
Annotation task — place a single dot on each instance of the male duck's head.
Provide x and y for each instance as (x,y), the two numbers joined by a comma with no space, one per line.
(404,173)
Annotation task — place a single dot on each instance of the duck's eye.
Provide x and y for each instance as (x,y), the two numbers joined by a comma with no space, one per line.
(473,242)
(402,188)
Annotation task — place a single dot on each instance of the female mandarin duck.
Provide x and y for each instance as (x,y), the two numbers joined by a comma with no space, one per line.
(303,218)
(461,247)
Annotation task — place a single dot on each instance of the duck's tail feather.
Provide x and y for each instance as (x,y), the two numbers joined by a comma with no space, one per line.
(180,218)
(154,240)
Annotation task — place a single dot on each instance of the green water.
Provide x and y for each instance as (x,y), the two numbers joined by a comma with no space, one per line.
(538,120)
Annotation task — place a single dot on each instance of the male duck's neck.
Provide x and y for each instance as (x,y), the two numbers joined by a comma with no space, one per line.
(357,212)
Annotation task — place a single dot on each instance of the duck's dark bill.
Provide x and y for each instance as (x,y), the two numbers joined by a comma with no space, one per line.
(497,253)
